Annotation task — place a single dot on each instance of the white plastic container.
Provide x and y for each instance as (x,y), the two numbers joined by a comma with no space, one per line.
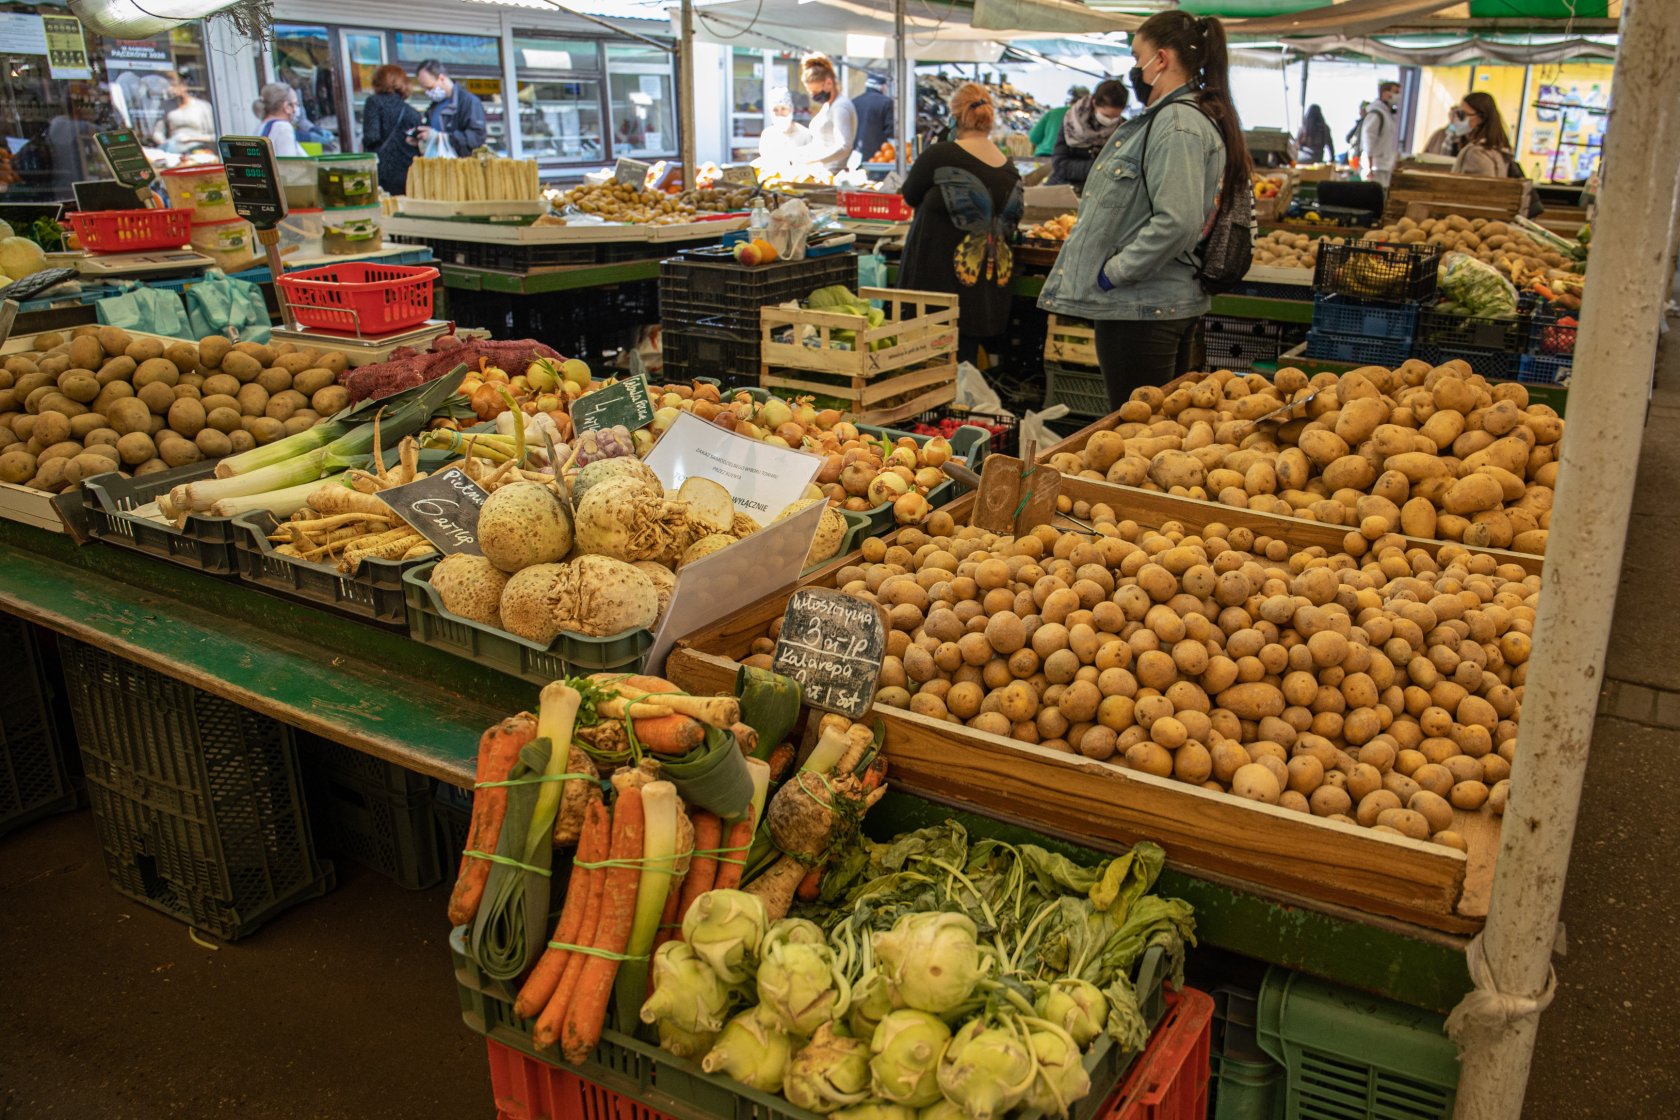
(203,189)
(299,177)
(231,244)
(301,231)
(351,230)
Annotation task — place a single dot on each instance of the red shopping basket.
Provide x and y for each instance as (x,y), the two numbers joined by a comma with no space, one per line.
(1169,1080)
(131,231)
(359,298)
(876,205)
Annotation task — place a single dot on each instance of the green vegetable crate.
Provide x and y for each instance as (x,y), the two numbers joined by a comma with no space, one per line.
(374,812)
(35,776)
(115,510)
(673,1087)
(1351,1056)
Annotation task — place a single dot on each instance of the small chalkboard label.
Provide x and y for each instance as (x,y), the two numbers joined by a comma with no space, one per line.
(625,403)
(1014,498)
(443,508)
(833,644)
(632,172)
(743,175)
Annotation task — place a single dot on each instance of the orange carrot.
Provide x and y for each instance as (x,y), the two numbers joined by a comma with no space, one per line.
(672,734)
(592,848)
(587,1014)
(702,869)
(780,759)
(811,885)
(733,862)
(547,1030)
(498,751)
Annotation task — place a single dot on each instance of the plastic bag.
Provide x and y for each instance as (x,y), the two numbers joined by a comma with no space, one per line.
(218,302)
(152,310)
(1477,286)
(790,226)
(438,146)
(872,271)
(1036,433)
(975,395)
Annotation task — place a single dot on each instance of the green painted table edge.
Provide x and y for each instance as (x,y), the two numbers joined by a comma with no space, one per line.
(563,279)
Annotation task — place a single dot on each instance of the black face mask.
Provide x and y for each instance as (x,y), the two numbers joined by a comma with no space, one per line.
(821,98)
(1140,87)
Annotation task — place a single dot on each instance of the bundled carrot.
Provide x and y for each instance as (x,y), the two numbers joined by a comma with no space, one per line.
(733,861)
(547,1030)
(703,870)
(810,887)
(586,1013)
(539,987)
(674,734)
(498,752)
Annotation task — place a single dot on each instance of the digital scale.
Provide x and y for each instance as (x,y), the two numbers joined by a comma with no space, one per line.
(360,351)
(130,167)
(254,182)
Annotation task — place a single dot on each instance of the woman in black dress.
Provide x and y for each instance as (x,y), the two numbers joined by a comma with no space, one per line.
(967,198)
(386,120)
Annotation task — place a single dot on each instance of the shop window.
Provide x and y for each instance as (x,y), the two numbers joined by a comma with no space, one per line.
(561,119)
(643,118)
(303,59)
(534,51)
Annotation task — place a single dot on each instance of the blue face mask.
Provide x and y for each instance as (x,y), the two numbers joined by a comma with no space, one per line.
(437,93)
(1458,127)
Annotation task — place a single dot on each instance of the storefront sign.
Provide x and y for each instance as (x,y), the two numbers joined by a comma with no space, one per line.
(22,34)
(67,57)
(833,645)
(443,508)
(632,172)
(139,54)
(762,478)
(625,403)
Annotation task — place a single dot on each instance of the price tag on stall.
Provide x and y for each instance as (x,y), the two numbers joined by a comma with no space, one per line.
(129,165)
(833,644)
(443,508)
(743,175)
(632,172)
(625,403)
(762,478)
(1014,498)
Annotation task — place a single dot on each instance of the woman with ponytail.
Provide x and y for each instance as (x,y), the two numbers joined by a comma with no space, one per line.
(967,198)
(1158,187)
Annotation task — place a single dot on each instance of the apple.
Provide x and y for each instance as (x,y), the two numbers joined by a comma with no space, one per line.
(576,372)
(747,253)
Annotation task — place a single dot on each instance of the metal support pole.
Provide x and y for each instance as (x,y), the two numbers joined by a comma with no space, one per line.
(906,82)
(1625,294)
(685,94)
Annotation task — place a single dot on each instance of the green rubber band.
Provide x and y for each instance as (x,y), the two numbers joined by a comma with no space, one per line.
(537,779)
(720,854)
(827,786)
(507,861)
(594,952)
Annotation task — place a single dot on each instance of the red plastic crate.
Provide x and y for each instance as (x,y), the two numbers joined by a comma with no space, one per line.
(875,204)
(131,231)
(358,298)
(526,1089)
(1169,1081)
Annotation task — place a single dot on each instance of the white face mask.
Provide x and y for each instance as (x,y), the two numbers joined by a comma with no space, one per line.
(1106,119)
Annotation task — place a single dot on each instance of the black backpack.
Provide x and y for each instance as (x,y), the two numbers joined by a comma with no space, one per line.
(1226,250)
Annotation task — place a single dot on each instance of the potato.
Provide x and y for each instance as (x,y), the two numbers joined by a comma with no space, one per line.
(327,401)
(79,385)
(292,362)
(223,419)
(212,349)
(87,465)
(50,476)
(253,400)
(114,340)
(135,448)
(46,340)
(179,452)
(1256,783)
(51,428)
(220,384)
(335,361)
(262,354)
(129,415)
(242,366)
(29,382)
(187,417)
(17,466)
(213,444)
(157,397)
(1473,494)
(156,370)
(243,441)
(274,380)
(150,466)
(313,380)
(297,422)
(144,350)
(119,368)
(183,355)
(87,353)
(266,430)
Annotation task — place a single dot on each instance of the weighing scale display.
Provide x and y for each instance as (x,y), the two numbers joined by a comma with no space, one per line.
(254,180)
(128,162)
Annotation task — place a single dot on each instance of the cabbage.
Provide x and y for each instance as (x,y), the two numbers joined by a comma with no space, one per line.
(986,1070)
(872,999)
(829,1073)
(725,928)
(1061,1078)
(752,1050)
(906,1048)
(932,959)
(686,992)
(20,257)
(800,985)
(1076,1006)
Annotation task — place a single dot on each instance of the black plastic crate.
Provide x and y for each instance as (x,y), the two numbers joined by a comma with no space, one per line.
(1495,365)
(1084,391)
(373,593)
(198,802)
(374,812)
(731,357)
(1357,349)
(36,779)
(1342,315)
(452,812)
(1548,336)
(1437,327)
(511,258)
(1237,344)
(1375,270)
(693,289)
(205,543)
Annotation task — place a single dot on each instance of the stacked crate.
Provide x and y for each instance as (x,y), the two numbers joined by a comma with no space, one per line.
(1071,376)
(1366,301)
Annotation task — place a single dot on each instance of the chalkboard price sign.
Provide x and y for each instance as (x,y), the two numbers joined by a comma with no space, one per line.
(625,403)
(832,644)
(443,508)
(631,172)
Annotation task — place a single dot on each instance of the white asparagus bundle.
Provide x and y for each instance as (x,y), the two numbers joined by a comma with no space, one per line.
(491,179)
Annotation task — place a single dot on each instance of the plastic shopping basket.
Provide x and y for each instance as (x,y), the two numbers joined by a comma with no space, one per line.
(131,231)
(359,298)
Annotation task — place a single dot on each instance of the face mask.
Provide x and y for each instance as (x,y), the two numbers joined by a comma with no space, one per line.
(436,93)
(821,98)
(1458,127)
(1140,83)
(1106,120)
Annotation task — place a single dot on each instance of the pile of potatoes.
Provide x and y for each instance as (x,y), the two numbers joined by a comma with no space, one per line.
(1505,247)
(1382,691)
(1282,249)
(102,400)
(1438,452)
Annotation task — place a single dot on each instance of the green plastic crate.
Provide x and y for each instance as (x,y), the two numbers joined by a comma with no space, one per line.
(35,777)
(1084,391)
(374,812)
(1242,1090)
(1351,1056)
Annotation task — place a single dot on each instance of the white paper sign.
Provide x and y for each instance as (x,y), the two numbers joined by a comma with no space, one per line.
(717,586)
(762,478)
(21,34)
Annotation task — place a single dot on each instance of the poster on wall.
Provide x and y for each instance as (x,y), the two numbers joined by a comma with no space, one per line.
(139,54)
(67,57)
(22,34)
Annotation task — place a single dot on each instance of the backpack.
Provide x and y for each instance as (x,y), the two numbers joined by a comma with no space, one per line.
(1226,251)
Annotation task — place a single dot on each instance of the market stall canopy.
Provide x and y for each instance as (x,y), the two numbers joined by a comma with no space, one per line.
(1250,18)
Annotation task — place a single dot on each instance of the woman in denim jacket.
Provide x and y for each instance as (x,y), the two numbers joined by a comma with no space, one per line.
(1130,263)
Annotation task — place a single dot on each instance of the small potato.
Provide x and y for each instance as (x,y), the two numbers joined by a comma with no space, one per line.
(1406,822)
(242,366)
(157,397)
(79,385)
(213,444)
(183,355)
(17,466)
(263,354)
(87,353)
(266,430)
(156,370)
(330,399)
(274,380)
(1256,783)
(212,349)
(135,448)
(144,350)
(180,452)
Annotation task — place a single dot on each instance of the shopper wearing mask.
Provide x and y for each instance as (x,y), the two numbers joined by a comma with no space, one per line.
(784,140)
(456,112)
(387,118)
(1049,127)
(834,128)
(1089,123)
(277,105)
(1379,134)
(1483,146)
(1130,263)
(967,198)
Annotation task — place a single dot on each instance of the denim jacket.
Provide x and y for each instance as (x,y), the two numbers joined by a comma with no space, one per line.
(1145,250)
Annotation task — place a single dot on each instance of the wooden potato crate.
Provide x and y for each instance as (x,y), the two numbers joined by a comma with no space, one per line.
(1295,856)
(920,327)
(1469,195)
(1071,342)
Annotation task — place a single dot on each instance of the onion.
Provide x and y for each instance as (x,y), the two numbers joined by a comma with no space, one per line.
(887,486)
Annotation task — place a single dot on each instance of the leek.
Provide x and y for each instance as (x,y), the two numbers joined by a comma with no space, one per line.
(659,849)
(290,447)
(281,503)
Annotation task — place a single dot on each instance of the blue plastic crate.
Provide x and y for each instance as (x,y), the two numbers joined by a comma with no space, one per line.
(1545,369)
(1341,315)
(1495,365)
(1356,348)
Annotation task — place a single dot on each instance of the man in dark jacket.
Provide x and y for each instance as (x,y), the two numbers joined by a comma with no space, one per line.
(875,117)
(455,111)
